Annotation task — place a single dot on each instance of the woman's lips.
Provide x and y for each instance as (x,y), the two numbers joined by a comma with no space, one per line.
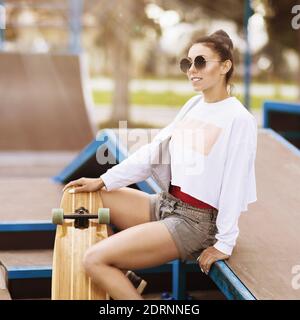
(195,79)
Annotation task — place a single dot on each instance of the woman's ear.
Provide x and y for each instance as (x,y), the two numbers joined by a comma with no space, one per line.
(226,66)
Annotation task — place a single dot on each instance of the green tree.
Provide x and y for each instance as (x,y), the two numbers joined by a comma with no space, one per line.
(281,33)
(120,22)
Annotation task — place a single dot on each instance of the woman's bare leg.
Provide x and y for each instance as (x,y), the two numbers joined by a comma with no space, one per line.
(128,207)
(141,246)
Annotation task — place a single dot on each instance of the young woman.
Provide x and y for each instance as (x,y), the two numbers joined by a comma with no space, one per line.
(196,217)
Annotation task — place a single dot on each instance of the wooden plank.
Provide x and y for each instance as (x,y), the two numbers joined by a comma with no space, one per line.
(36,197)
(18,259)
(33,164)
(44,103)
(269,233)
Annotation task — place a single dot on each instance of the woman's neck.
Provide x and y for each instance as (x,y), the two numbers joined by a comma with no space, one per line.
(215,94)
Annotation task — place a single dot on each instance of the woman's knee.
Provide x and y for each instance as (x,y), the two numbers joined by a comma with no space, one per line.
(93,259)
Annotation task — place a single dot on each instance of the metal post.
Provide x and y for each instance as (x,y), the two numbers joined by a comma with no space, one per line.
(2,25)
(178,280)
(76,8)
(247,58)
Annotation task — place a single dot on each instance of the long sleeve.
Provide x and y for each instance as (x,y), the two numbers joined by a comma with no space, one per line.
(137,167)
(238,185)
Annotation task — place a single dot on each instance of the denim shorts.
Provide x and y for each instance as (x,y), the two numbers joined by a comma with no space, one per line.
(192,229)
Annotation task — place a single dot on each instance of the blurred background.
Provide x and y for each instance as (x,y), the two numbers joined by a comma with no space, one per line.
(133,48)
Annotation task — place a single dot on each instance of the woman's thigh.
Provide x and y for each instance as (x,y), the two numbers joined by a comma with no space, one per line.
(141,246)
(128,207)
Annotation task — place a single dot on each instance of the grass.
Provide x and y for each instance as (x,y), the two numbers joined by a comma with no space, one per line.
(130,124)
(171,99)
(146,98)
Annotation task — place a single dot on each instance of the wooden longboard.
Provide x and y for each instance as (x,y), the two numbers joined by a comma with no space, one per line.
(69,280)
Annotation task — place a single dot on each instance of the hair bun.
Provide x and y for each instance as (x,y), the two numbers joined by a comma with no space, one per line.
(224,37)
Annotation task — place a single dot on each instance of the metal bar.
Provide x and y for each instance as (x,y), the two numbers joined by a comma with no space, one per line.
(76,7)
(31,272)
(87,153)
(2,25)
(84,216)
(179,280)
(26,226)
(283,141)
(282,107)
(230,285)
(247,57)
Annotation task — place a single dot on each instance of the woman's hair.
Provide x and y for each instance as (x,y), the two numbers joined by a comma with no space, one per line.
(221,43)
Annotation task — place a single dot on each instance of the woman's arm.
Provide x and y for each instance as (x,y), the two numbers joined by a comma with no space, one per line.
(137,167)
(233,195)
(237,190)
(238,182)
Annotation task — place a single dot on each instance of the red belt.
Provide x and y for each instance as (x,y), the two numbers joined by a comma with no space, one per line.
(176,192)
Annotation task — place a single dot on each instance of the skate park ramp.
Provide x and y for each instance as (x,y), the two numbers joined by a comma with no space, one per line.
(45,104)
(265,254)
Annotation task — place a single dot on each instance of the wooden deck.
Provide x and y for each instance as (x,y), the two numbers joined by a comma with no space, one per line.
(44,102)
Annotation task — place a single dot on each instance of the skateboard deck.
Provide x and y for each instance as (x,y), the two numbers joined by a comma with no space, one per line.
(74,235)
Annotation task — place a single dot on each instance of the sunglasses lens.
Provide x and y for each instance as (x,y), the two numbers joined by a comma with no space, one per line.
(185,64)
(199,62)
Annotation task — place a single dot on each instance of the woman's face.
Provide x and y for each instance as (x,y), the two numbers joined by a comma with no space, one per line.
(211,74)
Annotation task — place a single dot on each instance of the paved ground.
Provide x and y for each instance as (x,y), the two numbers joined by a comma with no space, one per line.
(159,116)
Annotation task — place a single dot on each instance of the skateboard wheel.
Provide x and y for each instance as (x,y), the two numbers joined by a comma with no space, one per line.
(103,216)
(58,216)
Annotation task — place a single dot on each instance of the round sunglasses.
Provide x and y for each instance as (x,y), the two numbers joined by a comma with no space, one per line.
(199,63)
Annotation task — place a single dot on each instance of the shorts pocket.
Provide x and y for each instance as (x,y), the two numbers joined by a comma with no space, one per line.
(203,226)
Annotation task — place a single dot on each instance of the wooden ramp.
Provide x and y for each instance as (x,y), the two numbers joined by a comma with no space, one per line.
(44,104)
(38,164)
(269,240)
(24,199)
(26,190)
(24,270)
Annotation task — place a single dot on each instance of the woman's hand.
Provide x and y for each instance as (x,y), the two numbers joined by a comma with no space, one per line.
(208,257)
(85,185)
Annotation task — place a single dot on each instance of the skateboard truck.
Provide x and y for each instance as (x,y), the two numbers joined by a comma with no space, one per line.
(82,220)
(81,217)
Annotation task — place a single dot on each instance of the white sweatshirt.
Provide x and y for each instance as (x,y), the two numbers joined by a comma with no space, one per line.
(212,149)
